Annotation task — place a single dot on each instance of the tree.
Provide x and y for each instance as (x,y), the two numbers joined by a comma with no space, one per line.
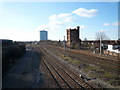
(85,43)
(85,39)
(59,42)
(101,35)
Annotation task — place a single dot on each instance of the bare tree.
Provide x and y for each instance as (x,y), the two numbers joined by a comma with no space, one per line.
(85,42)
(85,39)
(101,35)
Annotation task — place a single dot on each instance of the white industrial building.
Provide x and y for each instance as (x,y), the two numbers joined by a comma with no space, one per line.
(114,47)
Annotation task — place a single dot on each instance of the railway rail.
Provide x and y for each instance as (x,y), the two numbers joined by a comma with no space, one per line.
(100,62)
(63,77)
(105,64)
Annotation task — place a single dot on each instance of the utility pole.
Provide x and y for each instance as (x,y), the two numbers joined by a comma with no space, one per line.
(100,45)
(64,45)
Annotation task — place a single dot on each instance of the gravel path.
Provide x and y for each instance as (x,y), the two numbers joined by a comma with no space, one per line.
(25,73)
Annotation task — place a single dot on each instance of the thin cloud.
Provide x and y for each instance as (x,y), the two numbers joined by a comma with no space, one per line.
(116,23)
(1,6)
(102,30)
(54,23)
(85,13)
(63,17)
(108,30)
(83,26)
(42,27)
(106,24)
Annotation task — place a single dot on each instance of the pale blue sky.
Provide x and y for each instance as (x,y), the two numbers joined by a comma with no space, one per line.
(22,21)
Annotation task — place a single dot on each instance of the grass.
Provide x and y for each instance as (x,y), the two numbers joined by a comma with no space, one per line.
(74,61)
(85,66)
(107,74)
(64,57)
(69,59)
(92,68)
(114,82)
(111,78)
(87,51)
(52,51)
(108,77)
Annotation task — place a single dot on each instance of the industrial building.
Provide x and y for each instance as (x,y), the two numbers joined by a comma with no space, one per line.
(73,37)
(43,35)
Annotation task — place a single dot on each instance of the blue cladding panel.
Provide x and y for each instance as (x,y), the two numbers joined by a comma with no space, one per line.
(43,35)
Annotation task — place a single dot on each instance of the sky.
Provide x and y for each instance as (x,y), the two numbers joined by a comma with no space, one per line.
(22,21)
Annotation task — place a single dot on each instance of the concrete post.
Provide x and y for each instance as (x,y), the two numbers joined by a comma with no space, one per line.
(100,45)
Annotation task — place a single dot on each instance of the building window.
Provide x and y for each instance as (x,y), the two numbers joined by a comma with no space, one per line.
(116,46)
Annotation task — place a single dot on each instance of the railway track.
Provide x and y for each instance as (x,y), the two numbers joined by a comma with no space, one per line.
(105,64)
(100,62)
(63,77)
